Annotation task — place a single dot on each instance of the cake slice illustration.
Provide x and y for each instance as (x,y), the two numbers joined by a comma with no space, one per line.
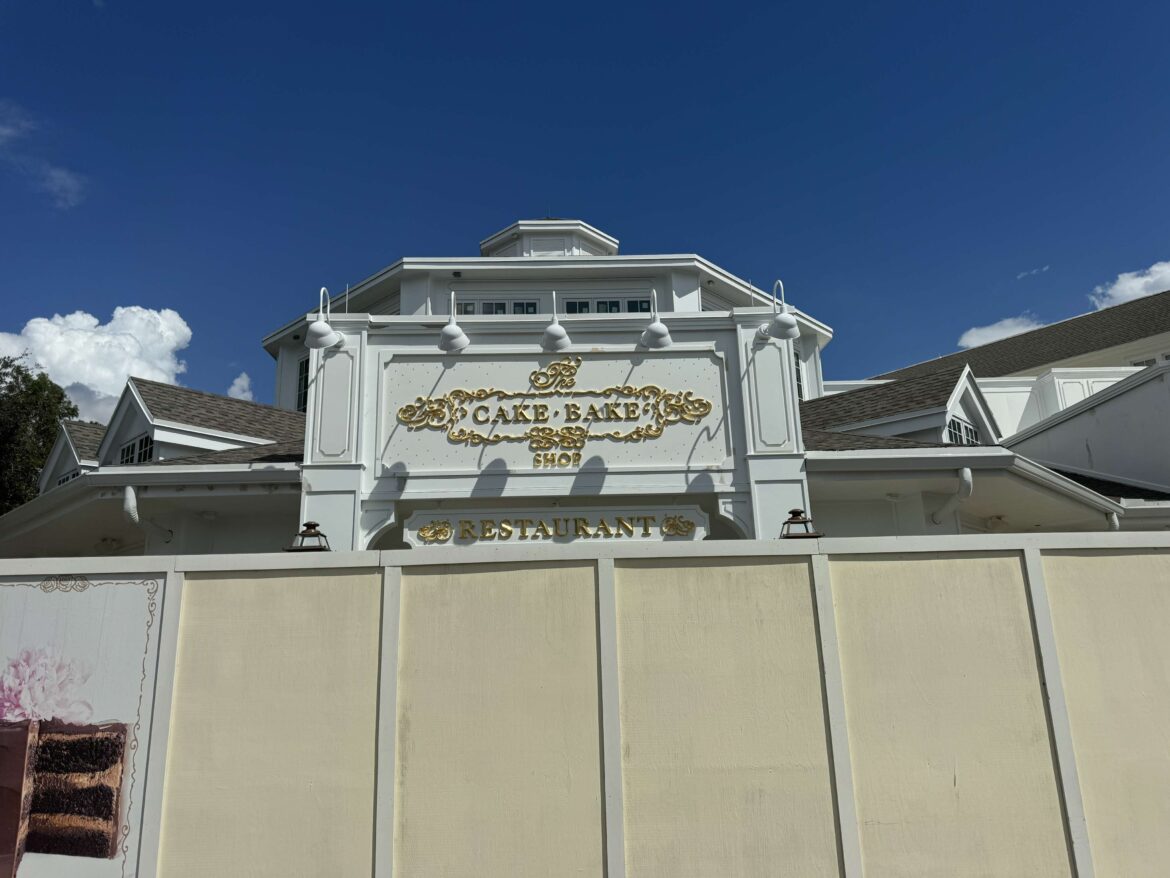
(60,774)
(18,745)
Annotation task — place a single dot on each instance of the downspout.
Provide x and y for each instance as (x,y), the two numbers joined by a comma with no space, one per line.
(1111,519)
(130,511)
(966,485)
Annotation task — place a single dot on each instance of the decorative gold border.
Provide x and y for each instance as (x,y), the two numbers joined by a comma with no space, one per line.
(74,583)
(444,412)
(436,532)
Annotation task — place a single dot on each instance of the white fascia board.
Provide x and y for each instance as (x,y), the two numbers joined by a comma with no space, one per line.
(890,459)
(196,474)
(1097,474)
(1089,402)
(1042,475)
(919,414)
(175,432)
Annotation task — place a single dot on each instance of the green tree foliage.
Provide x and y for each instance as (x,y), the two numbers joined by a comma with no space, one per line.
(31,407)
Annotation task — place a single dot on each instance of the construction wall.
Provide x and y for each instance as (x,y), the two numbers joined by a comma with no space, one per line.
(911,707)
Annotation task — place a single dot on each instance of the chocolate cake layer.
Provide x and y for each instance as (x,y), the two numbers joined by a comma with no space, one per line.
(78,783)
(18,744)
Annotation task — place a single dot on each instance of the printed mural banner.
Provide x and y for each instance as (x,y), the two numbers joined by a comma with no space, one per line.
(77,675)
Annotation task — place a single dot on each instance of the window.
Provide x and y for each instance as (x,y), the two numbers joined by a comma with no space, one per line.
(494,307)
(303,384)
(959,432)
(139,450)
(69,476)
(799,368)
(607,306)
(1150,362)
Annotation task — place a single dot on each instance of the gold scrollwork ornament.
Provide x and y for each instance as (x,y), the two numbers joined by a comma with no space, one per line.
(435,532)
(677,526)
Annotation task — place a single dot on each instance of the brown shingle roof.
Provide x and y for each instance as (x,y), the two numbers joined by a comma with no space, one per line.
(880,401)
(209,410)
(1102,329)
(86,437)
(828,440)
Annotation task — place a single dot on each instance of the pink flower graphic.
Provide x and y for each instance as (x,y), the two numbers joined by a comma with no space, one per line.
(39,684)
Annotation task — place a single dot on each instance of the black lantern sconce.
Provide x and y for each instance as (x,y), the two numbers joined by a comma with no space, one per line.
(310,540)
(798,527)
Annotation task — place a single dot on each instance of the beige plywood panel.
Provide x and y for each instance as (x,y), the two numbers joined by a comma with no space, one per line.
(498,763)
(952,760)
(1111,614)
(725,768)
(270,769)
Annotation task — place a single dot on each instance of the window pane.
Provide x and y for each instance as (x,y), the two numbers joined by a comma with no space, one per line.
(464,308)
(577,306)
(523,307)
(638,306)
(303,384)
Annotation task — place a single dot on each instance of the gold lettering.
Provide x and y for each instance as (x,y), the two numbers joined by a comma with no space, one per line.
(603,528)
(613,411)
(625,526)
(524,522)
(487,529)
(520,413)
(540,412)
(581,527)
(572,412)
(564,458)
(549,459)
(502,416)
(561,526)
(505,530)
(466,529)
(576,458)
(646,520)
(593,413)
(542,529)
(631,411)
(479,414)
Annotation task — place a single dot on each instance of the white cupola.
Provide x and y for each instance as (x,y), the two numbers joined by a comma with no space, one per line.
(549,237)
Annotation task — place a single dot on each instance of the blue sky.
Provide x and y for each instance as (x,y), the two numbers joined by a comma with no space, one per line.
(908,169)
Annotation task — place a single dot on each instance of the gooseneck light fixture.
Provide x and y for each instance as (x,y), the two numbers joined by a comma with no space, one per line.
(655,336)
(783,323)
(320,334)
(452,338)
(555,338)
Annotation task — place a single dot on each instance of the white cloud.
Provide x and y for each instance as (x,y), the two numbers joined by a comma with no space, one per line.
(66,188)
(1024,274)
(92,360)
(241,388)
(1009,326)
(1132,285)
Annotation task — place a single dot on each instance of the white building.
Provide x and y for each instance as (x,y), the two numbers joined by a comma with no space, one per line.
(704,425)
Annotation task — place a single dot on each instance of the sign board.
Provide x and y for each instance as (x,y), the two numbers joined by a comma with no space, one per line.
(554,524)
(613,410)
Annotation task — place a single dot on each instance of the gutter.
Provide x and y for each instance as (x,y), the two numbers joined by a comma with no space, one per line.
(962,495)
(130,512)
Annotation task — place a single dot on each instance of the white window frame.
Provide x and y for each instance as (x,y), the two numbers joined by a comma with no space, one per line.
(302,397)
(960,431)
(140,449)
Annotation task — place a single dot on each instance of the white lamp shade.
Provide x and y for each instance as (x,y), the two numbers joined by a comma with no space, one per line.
(656,336)
(556,338)
(783,326)
(452,338)
(321,335)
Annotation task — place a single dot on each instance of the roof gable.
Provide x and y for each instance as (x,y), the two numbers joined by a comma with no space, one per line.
(926,392)
(1095,331)
(86,438)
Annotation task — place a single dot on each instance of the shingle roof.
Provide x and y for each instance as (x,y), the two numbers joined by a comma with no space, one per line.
(880,401)
(828,440)
(198,409)
(278,452)
(86,437)
(1102,329)
(1114,490)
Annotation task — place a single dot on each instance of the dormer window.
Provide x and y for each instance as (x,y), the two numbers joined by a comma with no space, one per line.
(139,450)
(959,432)
(69,476)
